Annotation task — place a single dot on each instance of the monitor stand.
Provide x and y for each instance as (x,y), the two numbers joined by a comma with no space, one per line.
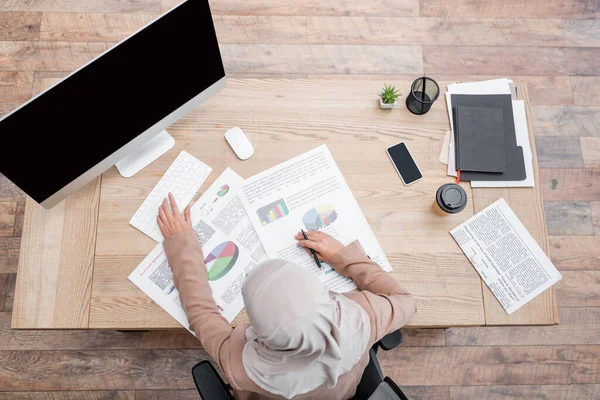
(148,152)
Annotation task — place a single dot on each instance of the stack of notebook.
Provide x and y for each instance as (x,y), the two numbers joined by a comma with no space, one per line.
(489,143)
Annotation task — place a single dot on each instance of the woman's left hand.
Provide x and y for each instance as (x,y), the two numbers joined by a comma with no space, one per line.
(171,221)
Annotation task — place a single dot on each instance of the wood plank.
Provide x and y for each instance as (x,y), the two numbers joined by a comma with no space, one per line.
(246,29)
(595,209)
(9,254)
(579,289)
(584,33)
(15,339)
(510,9)
(15,86)
(558,152)
(434,31)
(511,60)
(423,337)
(590,151)
(71,395)
(3,285)
(87,27)
(47,56)
(19,215)
(398,8)
(426,392)
(125,6)
(586,90)
(527,205)
(169,339)
(60,242)
(8,212)
(579,315)
(10,292)
(98,370)
(20,25)
(568,218)
(575,252)
(166,394)
(555,392)
(565,121)
(494,365)
(524,335)
(570,184)
(327,59)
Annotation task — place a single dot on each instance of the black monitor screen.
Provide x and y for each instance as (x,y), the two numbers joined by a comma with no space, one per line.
(87,117)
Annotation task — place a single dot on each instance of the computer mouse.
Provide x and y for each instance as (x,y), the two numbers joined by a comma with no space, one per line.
(239,142)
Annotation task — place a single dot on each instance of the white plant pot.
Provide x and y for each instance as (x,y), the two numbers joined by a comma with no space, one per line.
(385,106)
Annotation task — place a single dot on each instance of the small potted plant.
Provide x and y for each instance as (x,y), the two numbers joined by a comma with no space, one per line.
(388,98)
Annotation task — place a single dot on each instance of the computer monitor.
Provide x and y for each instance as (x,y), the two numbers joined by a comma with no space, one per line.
(114,108)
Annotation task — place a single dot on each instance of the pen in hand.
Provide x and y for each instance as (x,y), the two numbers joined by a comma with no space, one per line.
(312,251)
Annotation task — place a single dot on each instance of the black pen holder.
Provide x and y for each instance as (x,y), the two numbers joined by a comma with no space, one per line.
(423,93)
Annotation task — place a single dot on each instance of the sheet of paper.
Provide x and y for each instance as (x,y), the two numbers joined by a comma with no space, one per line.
(451,169)
(230,245)
(506,256)
(308,192)
(445,148)
(522,133)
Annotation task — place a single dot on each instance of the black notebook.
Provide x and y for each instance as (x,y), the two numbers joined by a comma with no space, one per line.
(479,139)
(513,154)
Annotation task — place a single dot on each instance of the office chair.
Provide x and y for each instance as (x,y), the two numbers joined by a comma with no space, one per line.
(373,385)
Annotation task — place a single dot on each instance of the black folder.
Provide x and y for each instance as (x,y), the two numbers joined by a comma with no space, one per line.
(513,154)
(479,139)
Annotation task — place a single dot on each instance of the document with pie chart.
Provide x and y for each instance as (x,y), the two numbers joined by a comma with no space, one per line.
(308,192)
(230,246)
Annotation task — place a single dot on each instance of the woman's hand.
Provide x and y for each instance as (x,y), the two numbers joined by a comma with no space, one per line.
(322,243)
(170,221)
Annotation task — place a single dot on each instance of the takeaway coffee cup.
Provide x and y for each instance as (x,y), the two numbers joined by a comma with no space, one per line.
(449,199)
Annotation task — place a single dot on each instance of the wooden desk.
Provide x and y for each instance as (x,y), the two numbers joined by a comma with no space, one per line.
(64,281)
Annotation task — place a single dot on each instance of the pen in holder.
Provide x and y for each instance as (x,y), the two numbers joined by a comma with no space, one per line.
(423,92)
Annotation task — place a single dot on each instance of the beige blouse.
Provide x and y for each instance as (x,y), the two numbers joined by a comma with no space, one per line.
(387,303)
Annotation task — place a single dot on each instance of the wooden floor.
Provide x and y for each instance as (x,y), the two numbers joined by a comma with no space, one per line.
(553,45)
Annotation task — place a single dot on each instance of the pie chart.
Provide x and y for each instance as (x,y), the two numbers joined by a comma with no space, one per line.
(223,190)
(221,259)
(319,217)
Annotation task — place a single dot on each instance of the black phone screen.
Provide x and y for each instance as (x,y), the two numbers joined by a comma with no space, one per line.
(404,163)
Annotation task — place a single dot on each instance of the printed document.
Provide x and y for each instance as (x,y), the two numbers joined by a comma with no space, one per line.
(230,245)
(308,192)
(506,256)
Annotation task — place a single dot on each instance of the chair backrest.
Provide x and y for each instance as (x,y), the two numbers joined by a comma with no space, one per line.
(209,383)
(387,390)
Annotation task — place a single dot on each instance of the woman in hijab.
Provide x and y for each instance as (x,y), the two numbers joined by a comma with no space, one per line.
(303,341)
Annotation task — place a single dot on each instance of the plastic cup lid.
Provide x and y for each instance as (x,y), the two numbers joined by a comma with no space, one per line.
(451,198)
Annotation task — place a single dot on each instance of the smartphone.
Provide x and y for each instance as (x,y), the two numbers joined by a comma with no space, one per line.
(404,163)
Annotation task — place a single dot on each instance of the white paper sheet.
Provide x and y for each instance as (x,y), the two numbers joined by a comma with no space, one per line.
(522,135)
(506,256)
(445,148)
(229,243)
(308,192)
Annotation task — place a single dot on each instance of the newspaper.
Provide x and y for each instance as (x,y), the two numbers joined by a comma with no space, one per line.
(506,256)
(308,192)
(230,245)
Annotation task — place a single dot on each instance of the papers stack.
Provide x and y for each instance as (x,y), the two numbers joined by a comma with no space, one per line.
(495,149)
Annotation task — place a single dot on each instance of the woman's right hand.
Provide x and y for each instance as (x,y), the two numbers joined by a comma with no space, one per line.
(322,243)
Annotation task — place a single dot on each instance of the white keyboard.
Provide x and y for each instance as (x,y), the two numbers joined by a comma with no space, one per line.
(183,178)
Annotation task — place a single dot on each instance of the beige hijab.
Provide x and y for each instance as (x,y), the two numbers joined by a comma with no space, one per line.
(302,335)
